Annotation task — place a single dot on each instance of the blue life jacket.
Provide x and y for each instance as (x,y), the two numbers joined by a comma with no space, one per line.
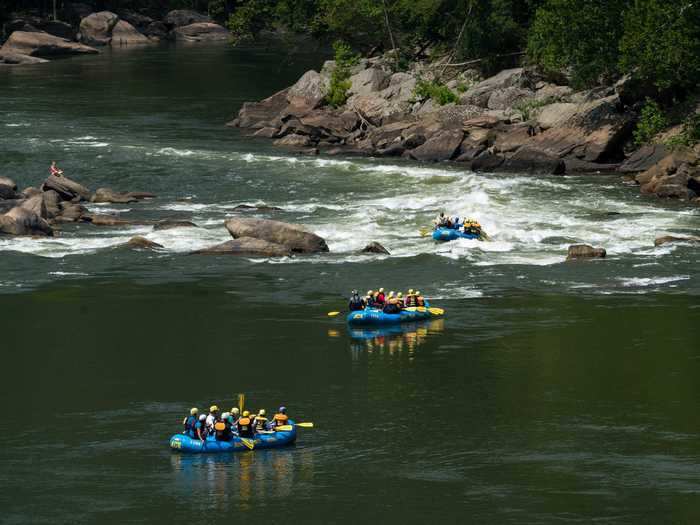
(190,423)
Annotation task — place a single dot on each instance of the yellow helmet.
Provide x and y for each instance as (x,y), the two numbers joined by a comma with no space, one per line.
(194,411)
(261,412)
(235,411)
(370,292)
(399,295)
(381,290)
(213,408)
(246,413)
(417,292)
(410,291)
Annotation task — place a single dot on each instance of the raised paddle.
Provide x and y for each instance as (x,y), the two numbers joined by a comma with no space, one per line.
(287,428)
(333,314)
(241,402)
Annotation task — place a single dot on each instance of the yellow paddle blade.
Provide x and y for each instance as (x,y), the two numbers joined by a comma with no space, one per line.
(332,314)
(284,428)
(305,425)
(248,443)
(241,402)
(436,311)
(424,232)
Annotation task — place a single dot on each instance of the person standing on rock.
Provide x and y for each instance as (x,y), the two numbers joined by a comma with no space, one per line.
(55,170)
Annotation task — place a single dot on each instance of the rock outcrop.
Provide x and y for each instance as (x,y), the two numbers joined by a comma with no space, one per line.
(22,221)
(67,189)
(43,45)
(184,17)
(169,224)
(677,175)
(201,32)
(109,195)
(291,236)
(8,188)
(667,239)
(105,28)
(584,251)
(142,243)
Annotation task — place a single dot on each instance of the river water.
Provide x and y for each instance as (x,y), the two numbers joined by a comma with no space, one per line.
(551,392)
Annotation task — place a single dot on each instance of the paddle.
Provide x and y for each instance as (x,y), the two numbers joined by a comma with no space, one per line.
(333,314)
(241,402)
(287,428)
(248,443)
(485,236)
(436,311)
(424,232)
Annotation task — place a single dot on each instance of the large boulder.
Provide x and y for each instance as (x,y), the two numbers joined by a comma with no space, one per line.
(17,59)
(308,92)
(58,28)
(138,20)
(509,97)
(368,81)
(66,188)
(201,32)
(169,224)
(36,205)
(382,107)
(40,44)
(644,158)
(675,176)
(156,31)
(444,145)
(125,34)
(8,188)
(141,243)
(52,201)
(96,29)
(553,115)
(375,247)
(184,17)
(584,251)
(480,93)
(260,114)
(247,246)
(119,197)
(292,236)
(20,221)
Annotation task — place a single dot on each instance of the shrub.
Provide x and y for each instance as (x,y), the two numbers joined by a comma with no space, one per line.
(526,107)
(651,121)
(689,135)
(436,91)
(345,59)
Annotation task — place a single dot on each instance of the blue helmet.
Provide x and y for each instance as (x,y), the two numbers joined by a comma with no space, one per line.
(283,410)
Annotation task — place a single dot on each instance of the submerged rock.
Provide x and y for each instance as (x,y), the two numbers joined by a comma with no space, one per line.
(375,247)
(142,243)
(666,239)
(246,207)
(120,197)
(584,251)
(167,224)
(291,236)
(247,246)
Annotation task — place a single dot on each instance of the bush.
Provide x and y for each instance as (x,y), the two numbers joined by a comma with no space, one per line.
(651,121)
(526,107)
(689,135)
(345,59)
(436,91)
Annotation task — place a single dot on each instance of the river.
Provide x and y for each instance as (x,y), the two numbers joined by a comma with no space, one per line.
(551,392)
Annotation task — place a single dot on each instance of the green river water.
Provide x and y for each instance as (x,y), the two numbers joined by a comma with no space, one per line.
(551,392)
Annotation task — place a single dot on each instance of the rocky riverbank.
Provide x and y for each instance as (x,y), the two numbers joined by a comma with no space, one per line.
(516,121)
(35,40)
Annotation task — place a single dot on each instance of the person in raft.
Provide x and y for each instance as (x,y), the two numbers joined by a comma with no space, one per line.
(55,170)
(245,425)
(190,423)
(280,418)
(356,302)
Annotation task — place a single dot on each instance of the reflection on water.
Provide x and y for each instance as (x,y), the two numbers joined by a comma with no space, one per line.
(401,339)
(237,480)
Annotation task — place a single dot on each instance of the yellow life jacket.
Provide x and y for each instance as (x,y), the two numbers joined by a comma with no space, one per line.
(280,419)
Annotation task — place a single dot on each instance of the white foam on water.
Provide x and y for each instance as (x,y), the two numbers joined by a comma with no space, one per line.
(64,274)
(18,125)
(103,207)
(650,281)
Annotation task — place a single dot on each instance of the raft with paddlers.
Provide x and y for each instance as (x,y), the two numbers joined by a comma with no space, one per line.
(374,316)
(450,234)
(271,439)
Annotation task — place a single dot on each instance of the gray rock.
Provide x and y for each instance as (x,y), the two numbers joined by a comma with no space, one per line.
(43,45)
(168,224)
(258,115)
(584,251)
(108,195)
(368,81)
(247,246)
(17,59)
(442,146)
(142,243)
(293,140)
(156,31)
(96,29)
(201,32)
(58,28)
(292,236)
(6,181)
(375,247)
(66,188)
(125,34)
(531,161)
(20,221)
(308,92)
(644,158)
(666,239)
(479,94)
(37,206)
(556,114)
(508,97)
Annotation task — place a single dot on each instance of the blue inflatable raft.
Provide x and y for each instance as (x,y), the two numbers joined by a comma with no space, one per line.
(450,234)
(185,443)
(372,316)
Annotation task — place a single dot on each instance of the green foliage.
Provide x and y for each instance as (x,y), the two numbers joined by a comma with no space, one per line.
(661,42)
(435,91)
(345,59)
(651,121)
(528,106)
(249,19)
(690,134)
(580,36)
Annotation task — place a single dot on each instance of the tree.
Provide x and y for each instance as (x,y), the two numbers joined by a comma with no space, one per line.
(661,42)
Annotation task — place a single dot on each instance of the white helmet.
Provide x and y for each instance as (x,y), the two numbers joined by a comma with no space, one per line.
(225,415)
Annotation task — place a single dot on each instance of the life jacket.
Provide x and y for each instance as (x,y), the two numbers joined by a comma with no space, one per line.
(392,307)
(410,300)
(190,425)
(356,303)
(202,427)
(369,301)
(260,423)
(223,431)
(381,299)
(280,419)
(245,427)
(54,170)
